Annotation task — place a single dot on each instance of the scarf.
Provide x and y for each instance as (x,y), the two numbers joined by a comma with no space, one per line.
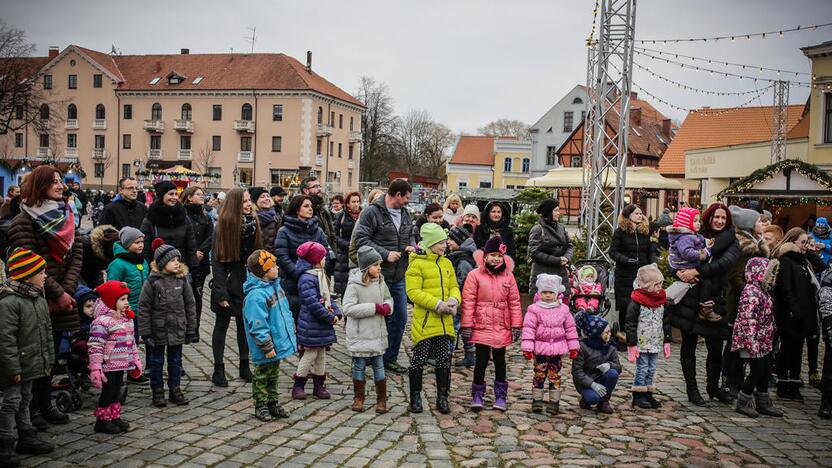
(267,216)
(166,216)
(649,299)
(55,224)
(131,257)
(548,305)
(24,289)
(596,343)
(323,286)
(196,211)
(354,215)
(495,270)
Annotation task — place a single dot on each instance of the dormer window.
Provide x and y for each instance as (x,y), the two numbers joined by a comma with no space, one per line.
(175,78)
(155,80)
(197,80)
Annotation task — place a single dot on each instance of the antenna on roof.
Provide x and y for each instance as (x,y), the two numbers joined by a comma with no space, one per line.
(252,38)
(113,50)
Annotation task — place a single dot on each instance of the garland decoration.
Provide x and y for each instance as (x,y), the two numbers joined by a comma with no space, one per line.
(810,171)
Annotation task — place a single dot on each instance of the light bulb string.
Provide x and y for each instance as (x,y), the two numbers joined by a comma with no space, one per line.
(721,62)
(719,72)
(732,37)
(691,88)
(705,112)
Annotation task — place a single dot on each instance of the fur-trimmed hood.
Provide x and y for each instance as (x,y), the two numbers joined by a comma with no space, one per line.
(784,248)
(750,245)
(102,239)
(181,273)
(628,226)
(762,272)
(678,230)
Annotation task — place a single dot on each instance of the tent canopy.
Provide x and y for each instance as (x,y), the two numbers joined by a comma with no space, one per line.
(637,178)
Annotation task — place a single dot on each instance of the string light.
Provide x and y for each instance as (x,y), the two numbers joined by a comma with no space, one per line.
(719,62)
(726,74)
(813,27)
(705,112)
(589,38)
(698,90)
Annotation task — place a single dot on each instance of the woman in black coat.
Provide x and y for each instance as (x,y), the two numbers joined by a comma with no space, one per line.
(434,213)
(167,219)
(496,221)
(193,198)
(550,249)
(344,224)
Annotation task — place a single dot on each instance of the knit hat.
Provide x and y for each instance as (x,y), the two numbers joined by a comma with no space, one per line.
(255,193)
(84,294)
(592,325)
(23,263)
(312,252)
(110,291)
(744,219)
(588,272)
(367,257)
(649,274)
(277,190)
(432,234)
(163,253)
(821,222)
(494,245)
(547,282)
(261,261)
(459,234)
(471,210)
(665,219)
(128,235)
(163,187)
(685,217)
(545,209)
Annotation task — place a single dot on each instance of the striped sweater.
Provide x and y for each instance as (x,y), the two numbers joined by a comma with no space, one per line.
(111,344)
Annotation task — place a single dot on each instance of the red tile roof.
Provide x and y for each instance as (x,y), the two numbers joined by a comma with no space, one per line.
(472,149)
(712,130)
(24,67)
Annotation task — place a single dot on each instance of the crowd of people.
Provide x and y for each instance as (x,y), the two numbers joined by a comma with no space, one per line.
(288,277)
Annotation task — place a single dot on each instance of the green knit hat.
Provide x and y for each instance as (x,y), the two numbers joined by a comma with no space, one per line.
(432,234)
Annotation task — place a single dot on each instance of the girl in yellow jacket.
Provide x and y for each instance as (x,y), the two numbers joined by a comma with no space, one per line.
(432,287)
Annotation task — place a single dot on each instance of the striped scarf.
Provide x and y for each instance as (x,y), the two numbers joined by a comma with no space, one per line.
(55,224)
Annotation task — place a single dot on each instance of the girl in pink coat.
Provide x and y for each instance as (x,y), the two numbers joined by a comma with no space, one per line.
(548,333)
(491,318)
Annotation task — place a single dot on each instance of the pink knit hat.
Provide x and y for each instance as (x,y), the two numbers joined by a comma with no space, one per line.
(684,218)
(312,252)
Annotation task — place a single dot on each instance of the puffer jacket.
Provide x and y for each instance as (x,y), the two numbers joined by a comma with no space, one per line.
(133,269)
(647,327)
(749,247)
(98,253)
(630,250)
(429,279)
(795,294)
(375,228)
(491,304)
(315,328)
(122,213)
(268,226)
(685,247)
(548,243)
(463,260)
(585,366)
(549,331)
(204,237)
(167,309)
(111,345)
(291,235)
(26,346)
(366,330)
(754,325)
(170,223)
(344,225)
(268,321)
(488,229)
(825,240)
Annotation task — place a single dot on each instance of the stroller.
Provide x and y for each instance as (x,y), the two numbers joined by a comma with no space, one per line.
(575,298)
(68,376)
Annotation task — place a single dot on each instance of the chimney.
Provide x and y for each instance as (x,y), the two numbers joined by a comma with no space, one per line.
(53,51)
(309,61)
(158,66)
(635,116)
(666,128)
(633,95)
(184,51)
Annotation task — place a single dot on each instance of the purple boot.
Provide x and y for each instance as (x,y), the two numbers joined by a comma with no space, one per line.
(500,394)
(298,390)
(477,392)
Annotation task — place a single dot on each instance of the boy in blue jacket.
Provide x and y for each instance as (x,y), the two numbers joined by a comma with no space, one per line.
(269,330)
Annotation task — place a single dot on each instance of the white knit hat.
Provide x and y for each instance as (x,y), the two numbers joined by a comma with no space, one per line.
(546,282)
(471,210)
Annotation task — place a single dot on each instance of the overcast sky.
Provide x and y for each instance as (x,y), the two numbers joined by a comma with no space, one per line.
(466,62)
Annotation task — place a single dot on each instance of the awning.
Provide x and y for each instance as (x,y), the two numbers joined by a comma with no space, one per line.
(637,178)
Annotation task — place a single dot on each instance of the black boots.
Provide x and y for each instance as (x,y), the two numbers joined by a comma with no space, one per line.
(245,371)
(177,397)
(53,415)
(715,392)
(640,400)
(689,372)
(7,455)
(29,443)
(789,390)
(158,397)
(825,410)
(467,361)
(443,387)
(219,379)
(415,380)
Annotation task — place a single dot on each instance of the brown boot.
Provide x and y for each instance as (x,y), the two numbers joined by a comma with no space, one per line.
(381,396)
(706,312)
(358,387)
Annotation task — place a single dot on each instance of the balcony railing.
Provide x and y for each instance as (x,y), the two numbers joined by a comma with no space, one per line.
(355,136)
(183,125)
(184,154)
(324,130)
(99,124)
(350,164)
(99,153)
(44,152)
(71,153)
(245,156)
(157,126)
(71,124)
(244,126)
(154,154)
(319,160)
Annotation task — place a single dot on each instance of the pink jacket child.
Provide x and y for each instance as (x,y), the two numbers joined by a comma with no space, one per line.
(587,283)
(754,326)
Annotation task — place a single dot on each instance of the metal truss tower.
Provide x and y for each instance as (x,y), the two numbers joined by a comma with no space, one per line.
(608,121)
(586,159)
(779,124)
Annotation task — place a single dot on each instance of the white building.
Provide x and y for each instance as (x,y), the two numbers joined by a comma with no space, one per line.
(552,130)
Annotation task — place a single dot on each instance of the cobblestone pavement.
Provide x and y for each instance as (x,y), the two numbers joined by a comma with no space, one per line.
(218,427)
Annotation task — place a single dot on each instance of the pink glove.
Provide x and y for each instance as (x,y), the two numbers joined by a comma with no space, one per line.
(383,309)
(97,377)
(632,353)
(667,350)
(138,364)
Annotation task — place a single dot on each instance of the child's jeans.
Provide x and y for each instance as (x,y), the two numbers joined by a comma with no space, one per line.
(313,360)
(547,367)
(157,361)
(14,409)
(264,383)
(608,380)
(359,365)
(645,369)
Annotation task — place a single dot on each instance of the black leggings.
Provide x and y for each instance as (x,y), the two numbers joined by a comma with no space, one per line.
(483,354)
(42,386)
(759,372)
(197,283)
(713,362)
(812,345)
(111,390)
(223,320)
(790,358)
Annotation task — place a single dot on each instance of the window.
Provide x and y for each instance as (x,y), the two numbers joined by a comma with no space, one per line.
(349,179)
(100,113)
(827,118)
(126,141)
(331,148)
(245,143)
(340,120)
(72,82)
(217,111)
(185,142)
(332,119)
(216,143)
(18,140)
(349,151)
(125,170)
(197,80)
(351,124)
(187,112)
(18,111)
(99,170)
(320,115)
(577,100)
(507,165)
(155,142)
(277,144)
(277,112)
(551,155)
(44,140)
(156,111)
(96,81)
(575,161)
(339,150)
(245,112)
(155,80)
(128,111)
(583,116)
(318,146)
(526,162)
(71,140)
(47,81)
(71,112)
(44,112)
(567,121)
(462,184)
(485,184)
(99,141)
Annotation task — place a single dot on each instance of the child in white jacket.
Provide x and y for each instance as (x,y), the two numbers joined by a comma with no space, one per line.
(367,301)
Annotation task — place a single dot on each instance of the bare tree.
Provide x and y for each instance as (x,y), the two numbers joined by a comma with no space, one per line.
(412,131)
(204,160)
(435,148)
(20,94)
(505,128)
(377,127)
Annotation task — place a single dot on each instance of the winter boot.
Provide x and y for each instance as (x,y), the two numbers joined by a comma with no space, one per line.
(604,406)
(219,379)
(158,397)
(7,455)
(29,443)
(415,381)
(177,397)
(245,371)
(115,412)
(554,401)
(537,400)
(640,401)
(467,361)
(477,392)
(825,410)
(500,395)
(104,427)
(654,403)
(381,396)
(299,388)
(262,414)
(358,387)
(689,372)
(715,392)
(794,391)
(443,388)
(765,406)
(319,388)
(745,405)
(277,411)
(707,313)
(37,420)
(53,415)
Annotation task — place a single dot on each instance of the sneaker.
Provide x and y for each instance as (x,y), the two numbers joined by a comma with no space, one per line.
(277,411)
(140,380)
(394,367)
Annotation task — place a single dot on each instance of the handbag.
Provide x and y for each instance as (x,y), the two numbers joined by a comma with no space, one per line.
(676,291)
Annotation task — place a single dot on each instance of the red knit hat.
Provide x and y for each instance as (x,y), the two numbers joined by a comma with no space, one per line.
(684,218)
(110,291)
(312,252)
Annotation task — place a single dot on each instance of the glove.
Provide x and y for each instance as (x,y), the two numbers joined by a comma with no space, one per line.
(97,377)
(528,355)
(515,334)
(64,304)
(603,367)
(573,354)
(452,302)
(136,373)
(599,389)
(632,353)
(138,364)
(148,340)
(442,308)
(383,309)
(192,338)
(667,350)
(466,333)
